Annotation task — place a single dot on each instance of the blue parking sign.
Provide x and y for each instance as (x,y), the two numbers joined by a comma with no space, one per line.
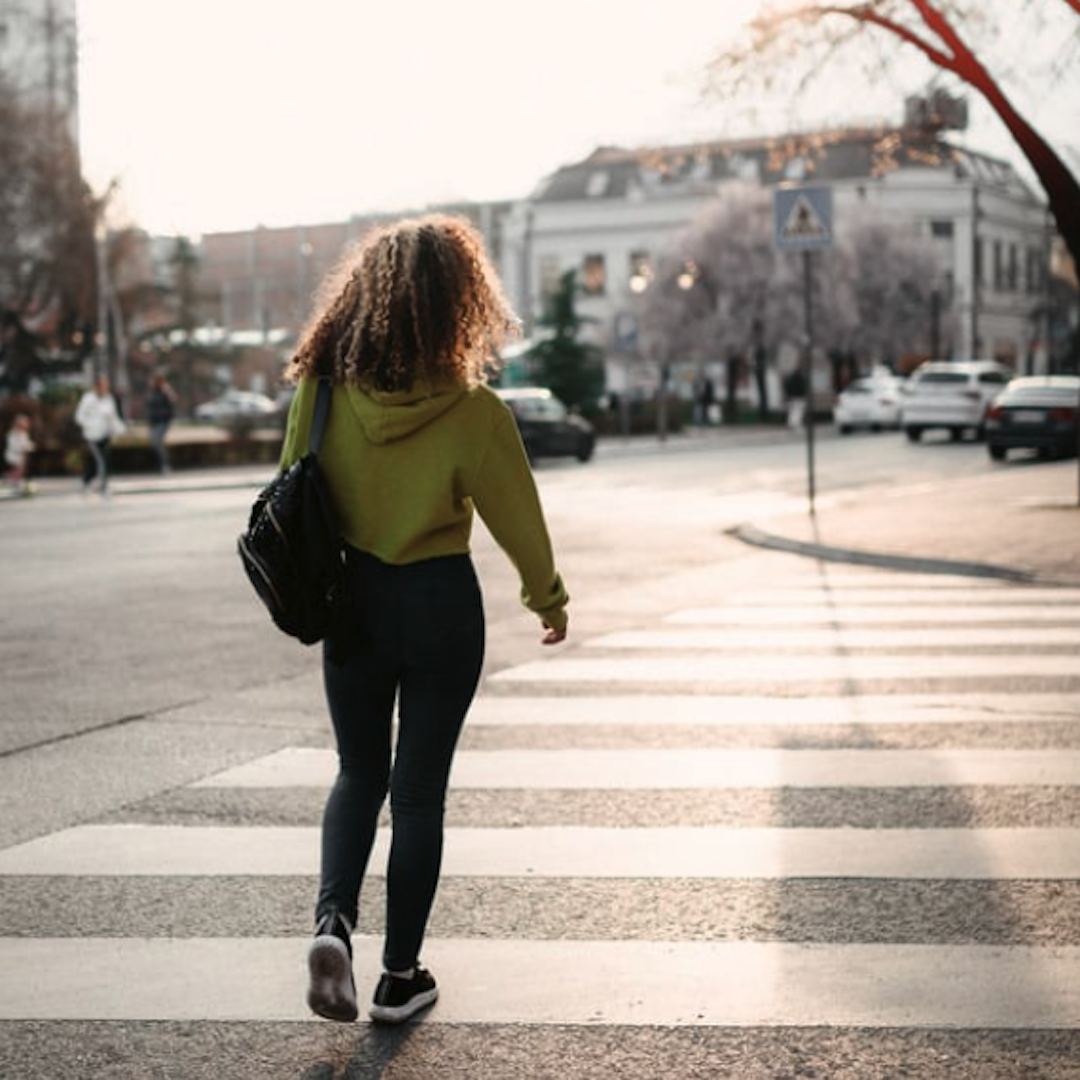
(803,219)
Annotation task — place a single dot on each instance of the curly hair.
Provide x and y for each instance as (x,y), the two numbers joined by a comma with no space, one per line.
(417,299)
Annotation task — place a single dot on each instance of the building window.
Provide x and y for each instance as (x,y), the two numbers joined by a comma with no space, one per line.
(980,263)
(1033,276)
(640,271)
(1014,268)
(593,276)
(999,267)
(597,184)
(941,230)
(796,169)
(548,276)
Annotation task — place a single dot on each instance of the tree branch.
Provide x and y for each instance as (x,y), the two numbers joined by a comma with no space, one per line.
(767,26)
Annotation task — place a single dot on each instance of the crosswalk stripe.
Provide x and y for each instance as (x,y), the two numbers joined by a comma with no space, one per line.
(713,769)
(571,852)
(930,596)
(718,669)
(740,984)
(841,637)
(837,576)
(837,611)
(671,710)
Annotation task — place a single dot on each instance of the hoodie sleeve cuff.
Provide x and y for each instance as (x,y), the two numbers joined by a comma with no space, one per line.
(550,608)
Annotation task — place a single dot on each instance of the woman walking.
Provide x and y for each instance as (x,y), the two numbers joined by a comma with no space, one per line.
(415,442)
(99,418)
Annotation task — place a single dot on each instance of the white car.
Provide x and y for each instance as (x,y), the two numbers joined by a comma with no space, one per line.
(954,395)
(870,401)
(236,403)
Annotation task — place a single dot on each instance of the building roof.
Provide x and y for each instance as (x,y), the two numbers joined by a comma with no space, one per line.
(822,157)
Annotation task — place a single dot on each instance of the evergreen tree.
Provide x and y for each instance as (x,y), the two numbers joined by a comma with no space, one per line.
(573,370)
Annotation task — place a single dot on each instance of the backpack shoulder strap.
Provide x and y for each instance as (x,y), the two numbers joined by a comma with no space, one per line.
(323,395)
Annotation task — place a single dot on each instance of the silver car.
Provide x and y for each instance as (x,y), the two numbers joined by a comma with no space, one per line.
(870,401)
(236,404)
(953,395)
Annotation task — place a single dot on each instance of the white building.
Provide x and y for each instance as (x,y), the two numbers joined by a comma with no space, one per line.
(39,56)
(608,215)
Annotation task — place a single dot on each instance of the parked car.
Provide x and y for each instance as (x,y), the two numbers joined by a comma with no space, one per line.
(548,428)
(235,404)
(951,394)
(1037,412)
(870,401)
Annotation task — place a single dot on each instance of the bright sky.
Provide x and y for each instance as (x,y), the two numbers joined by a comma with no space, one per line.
(225,114)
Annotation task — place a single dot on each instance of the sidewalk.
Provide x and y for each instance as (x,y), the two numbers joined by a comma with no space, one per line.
(1020,521)
(219,478)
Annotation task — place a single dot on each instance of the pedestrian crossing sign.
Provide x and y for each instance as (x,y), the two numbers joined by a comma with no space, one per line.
(803,218)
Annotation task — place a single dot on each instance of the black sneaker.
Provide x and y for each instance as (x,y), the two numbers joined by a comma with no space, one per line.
(397,999)
(332,991)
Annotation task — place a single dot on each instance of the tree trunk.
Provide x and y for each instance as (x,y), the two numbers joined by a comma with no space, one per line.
(1061,187)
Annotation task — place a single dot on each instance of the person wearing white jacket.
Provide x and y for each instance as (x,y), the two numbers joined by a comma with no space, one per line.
(100,421)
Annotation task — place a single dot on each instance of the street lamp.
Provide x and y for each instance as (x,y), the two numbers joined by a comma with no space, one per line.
(101,361)
(304,251)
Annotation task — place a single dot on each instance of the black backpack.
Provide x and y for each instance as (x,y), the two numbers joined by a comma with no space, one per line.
(292,549)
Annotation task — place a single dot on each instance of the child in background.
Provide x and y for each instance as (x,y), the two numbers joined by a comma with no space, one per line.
(17,454)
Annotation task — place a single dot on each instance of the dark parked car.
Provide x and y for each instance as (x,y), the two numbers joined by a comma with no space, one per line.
(548,428)
(1037,412)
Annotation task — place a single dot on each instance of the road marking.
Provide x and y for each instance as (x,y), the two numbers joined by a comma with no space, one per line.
(737,984)
(841,637)
(571,852)
(718,669)
(669,710)
(837,576)
(931,596)
(690,769)
(832,613)
(634,982)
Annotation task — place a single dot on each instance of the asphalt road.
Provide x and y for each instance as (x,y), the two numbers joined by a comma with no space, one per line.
(761,816)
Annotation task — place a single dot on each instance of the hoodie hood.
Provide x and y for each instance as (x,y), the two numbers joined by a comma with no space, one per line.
(387,417)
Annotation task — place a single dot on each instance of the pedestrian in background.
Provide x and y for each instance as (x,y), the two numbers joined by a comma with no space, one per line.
(17,450)
(98,415)
(704,400)
(795,393)
(160,411)
(416,441)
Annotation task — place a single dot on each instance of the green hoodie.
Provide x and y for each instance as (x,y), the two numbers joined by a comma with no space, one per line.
(407,469)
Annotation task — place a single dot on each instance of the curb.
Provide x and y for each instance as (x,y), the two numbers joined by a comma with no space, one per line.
(121,488)
(750,534)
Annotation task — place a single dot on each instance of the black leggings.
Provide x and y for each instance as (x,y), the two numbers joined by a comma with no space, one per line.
(413,633)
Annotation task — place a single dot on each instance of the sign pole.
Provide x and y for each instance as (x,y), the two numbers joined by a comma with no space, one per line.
(803,217)
(808,374)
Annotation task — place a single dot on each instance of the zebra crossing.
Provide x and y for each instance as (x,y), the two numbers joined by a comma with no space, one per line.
(847,799)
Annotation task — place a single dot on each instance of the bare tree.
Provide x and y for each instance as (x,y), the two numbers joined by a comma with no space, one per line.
(900,288)
(721,288)
(940,33)
(715,278)
(48,279)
